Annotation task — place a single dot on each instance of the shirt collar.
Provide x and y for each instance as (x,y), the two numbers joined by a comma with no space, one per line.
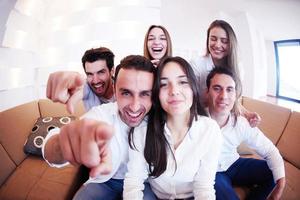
(229,121)
(190,132)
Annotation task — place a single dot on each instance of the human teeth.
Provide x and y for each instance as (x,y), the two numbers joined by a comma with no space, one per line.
(217,51)
(98,85)
(134,115)
(157,49)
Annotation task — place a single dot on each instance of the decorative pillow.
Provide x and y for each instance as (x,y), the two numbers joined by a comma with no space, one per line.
(42,126)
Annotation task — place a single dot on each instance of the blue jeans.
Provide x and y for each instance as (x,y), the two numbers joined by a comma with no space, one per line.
(245,172)
(109,190)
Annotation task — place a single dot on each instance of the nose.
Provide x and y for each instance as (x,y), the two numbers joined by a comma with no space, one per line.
(224,94)
(156,40)
(173,90)
(135,104)
(95,78)
(218,43)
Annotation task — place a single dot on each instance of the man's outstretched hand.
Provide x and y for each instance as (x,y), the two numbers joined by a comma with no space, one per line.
(65,87)
(84,142)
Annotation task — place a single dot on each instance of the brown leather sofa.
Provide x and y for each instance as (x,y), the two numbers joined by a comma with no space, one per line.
(282,127)
(29,177)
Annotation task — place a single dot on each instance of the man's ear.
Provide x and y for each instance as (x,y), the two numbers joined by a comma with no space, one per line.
(112,72)
(112,76)
(207,89)
(113,79)
(114,86)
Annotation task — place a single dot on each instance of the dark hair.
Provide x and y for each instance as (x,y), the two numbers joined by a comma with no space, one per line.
(235,78)
(168,37)
(136,62)
(156,144)
(101,53)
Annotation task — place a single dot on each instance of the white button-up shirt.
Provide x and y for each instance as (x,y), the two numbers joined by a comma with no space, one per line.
(196,158)
(119,142)
(233,136)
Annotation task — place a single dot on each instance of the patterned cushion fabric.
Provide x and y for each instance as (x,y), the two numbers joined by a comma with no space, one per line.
(39,131)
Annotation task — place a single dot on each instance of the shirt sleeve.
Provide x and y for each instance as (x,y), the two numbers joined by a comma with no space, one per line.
(205,178)
(89,98)
(265,148)
(92,114)
(137,168)
(52,133)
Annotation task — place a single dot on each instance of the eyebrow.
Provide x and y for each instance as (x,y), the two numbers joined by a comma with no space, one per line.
(101,70)
(152,35)
(128,90)
(218,37)
(124,90)
(181,76)
(217,85)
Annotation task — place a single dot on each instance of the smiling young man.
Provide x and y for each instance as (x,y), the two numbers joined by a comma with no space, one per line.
(86,141)
(267,175)
(70,87)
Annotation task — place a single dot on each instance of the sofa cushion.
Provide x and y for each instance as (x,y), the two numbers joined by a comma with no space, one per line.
(23,179)
(59,183)
(7,166)
(274,117)
(15,125)
(34,179)
(291,190)
(40,130)
(48,108)
(289,143)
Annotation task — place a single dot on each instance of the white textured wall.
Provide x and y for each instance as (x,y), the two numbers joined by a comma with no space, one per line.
(254,22)
(41,36)
(45,36)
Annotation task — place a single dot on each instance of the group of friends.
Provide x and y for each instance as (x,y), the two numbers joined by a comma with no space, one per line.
(160,127)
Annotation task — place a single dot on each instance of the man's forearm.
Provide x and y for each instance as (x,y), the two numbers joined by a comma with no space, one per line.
(53,153)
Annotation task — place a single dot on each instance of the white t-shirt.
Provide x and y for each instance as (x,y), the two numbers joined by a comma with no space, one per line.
(196,158)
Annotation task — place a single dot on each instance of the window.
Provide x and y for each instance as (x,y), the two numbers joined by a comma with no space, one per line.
(288,69)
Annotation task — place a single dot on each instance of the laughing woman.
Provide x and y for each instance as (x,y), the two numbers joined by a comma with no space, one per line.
(178,150)
(157,44)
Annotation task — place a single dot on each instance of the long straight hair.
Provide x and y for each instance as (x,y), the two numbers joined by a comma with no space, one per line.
(156,144)
(168,37)
(232,56)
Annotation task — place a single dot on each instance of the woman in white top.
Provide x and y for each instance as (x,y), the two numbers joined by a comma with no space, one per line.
(178,150)
(221,51)
(157,44)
